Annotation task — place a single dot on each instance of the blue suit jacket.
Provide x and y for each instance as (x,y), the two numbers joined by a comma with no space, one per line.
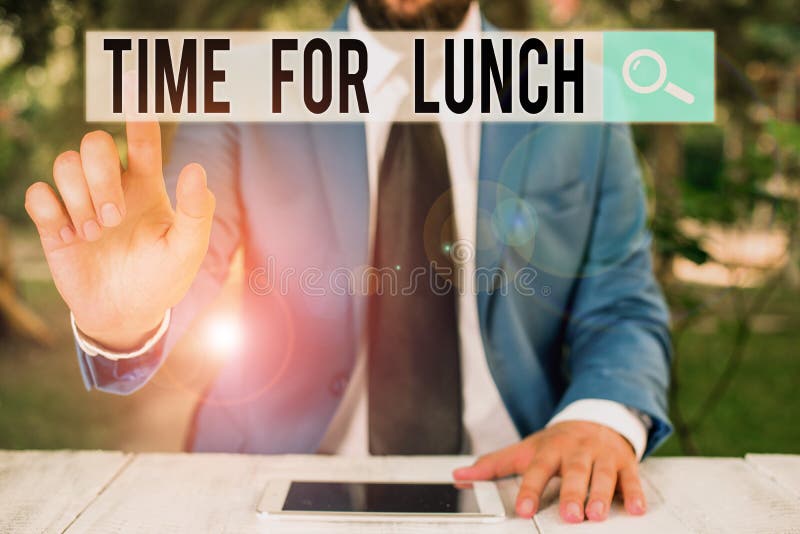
(560,206)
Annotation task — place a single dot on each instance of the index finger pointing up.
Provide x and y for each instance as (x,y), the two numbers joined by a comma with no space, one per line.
(144,148)
(144,134)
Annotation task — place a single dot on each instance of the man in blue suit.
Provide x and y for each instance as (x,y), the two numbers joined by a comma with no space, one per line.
(547,351)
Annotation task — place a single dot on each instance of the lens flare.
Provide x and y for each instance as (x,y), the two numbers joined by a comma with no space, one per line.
(224,336)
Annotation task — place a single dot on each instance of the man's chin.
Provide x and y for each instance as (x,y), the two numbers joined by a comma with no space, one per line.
(413,14)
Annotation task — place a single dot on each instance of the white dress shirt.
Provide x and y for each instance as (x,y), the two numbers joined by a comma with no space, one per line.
(486,421)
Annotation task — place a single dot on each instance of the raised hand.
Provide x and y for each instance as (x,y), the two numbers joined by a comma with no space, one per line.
(120,255)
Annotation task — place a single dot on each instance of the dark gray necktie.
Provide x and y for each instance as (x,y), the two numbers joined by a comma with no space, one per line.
(414,373)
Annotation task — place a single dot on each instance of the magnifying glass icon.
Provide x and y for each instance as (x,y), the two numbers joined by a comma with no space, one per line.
(632,62)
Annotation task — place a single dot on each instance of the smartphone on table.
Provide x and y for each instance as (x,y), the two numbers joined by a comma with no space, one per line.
(382,501)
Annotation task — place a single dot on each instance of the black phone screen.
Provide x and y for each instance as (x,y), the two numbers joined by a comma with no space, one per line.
(372,497)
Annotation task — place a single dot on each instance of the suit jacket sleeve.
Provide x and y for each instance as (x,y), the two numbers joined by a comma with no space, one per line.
(618,326)
(214,146)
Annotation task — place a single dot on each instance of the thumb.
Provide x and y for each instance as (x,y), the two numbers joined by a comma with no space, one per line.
(194,211)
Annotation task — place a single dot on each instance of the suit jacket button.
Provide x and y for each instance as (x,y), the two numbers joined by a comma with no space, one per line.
(338,384)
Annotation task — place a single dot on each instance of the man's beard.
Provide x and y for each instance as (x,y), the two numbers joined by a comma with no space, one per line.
(436,15)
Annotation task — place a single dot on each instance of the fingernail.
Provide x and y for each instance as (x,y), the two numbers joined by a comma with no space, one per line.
(464,472)
(573,512)
(195,181)
(91,230)
(595,510)
(525,508)
(637,506)
(110,215)
(67,235)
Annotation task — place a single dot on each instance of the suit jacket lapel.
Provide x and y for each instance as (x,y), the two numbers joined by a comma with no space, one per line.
(341,153)
(496,180)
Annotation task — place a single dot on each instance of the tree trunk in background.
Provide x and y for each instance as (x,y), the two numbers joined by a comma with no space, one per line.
(14,314)
(668,166)
(5,251)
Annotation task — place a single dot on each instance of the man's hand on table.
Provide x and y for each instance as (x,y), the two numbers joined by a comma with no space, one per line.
(591,459)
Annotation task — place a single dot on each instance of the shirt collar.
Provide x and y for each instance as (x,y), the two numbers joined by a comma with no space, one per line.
(379,71)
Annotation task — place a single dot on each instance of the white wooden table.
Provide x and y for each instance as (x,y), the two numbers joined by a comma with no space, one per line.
(94,491)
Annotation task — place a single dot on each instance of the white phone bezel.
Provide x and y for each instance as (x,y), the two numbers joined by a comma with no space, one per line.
(489,503)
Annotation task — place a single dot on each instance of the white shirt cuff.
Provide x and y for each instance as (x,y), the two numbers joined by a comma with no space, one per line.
(627,422)
(91,349)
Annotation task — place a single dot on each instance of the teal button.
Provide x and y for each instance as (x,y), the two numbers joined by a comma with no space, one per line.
(658,76)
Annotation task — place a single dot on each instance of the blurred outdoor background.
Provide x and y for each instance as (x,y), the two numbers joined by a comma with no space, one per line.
(725,206)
